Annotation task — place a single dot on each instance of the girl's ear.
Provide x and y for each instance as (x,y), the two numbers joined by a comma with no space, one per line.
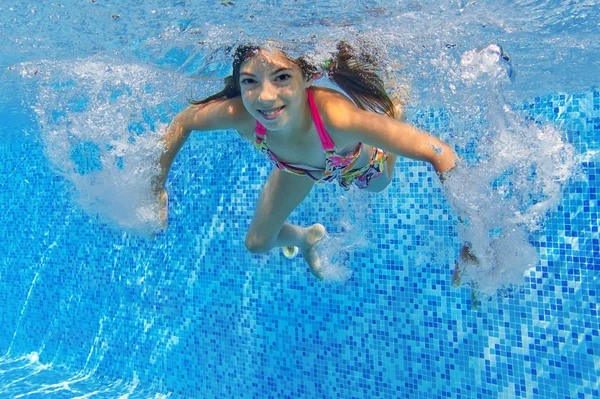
(308,82)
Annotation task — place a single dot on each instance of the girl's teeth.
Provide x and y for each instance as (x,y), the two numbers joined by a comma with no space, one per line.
(272,112)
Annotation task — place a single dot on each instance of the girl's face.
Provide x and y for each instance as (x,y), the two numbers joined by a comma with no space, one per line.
(273,90)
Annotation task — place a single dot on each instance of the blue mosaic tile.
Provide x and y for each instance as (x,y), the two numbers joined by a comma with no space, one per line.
(192,314)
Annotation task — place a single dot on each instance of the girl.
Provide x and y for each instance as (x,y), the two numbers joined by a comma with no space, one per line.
(310,133)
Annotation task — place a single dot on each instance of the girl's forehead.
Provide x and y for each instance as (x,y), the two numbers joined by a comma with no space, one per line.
(267,59)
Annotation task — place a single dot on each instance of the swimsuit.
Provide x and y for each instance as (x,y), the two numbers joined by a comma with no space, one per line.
(337,167)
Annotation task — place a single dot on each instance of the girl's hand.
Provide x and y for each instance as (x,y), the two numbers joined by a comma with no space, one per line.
(465,259)
(163,207)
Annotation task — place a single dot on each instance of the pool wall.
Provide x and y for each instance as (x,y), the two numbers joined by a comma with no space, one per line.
(193,314)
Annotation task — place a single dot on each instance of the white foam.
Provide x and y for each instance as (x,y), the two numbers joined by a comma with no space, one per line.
(507,195)
(334,259)
(99,124)
(516,180)
(337,248)
(333,273)
(489,60)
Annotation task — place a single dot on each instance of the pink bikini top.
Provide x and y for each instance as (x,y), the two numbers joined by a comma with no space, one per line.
(335,165)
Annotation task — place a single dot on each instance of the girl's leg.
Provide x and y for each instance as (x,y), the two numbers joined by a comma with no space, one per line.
(282,193)
(381,182)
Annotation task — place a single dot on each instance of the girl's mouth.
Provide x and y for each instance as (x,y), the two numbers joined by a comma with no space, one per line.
(271,114)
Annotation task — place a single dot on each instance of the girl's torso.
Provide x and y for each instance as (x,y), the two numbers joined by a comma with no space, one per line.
(305,150)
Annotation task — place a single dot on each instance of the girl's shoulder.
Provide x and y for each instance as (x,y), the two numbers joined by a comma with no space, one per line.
(325,95)
(334,106)
(221,114)
(337,111)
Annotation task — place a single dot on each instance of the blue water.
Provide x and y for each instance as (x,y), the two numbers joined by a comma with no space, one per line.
(93,307)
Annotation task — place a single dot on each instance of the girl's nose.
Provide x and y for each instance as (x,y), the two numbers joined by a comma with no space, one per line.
(268,93)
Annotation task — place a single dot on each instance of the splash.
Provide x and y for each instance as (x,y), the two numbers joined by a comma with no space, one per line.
(517,181)
(488,60)
(338,247)
(335,258)
(101,124)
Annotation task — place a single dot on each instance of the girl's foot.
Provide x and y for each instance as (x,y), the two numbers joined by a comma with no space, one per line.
(465,259)
(314,235)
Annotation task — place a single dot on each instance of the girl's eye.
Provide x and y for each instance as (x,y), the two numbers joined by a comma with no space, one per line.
(283,77)
(247,81)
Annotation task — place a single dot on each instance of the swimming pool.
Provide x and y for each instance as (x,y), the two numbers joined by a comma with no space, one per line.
(91,308)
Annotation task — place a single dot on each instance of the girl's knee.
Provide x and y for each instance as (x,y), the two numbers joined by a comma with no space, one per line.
(382,181)
(256,244)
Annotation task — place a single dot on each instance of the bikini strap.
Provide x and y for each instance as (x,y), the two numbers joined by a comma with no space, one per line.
(326,141)
(260,130)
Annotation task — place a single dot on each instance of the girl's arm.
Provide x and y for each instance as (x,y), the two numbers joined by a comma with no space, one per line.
(390,135)
(216,115)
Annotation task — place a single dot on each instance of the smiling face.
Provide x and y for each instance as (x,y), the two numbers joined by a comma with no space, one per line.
(273,90)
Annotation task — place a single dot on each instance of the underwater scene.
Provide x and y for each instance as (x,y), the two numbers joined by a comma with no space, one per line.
(100,301)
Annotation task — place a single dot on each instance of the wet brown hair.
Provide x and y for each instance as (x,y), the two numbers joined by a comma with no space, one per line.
(355,72)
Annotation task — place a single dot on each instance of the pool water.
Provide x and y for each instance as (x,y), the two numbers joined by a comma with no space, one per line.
(96,305)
